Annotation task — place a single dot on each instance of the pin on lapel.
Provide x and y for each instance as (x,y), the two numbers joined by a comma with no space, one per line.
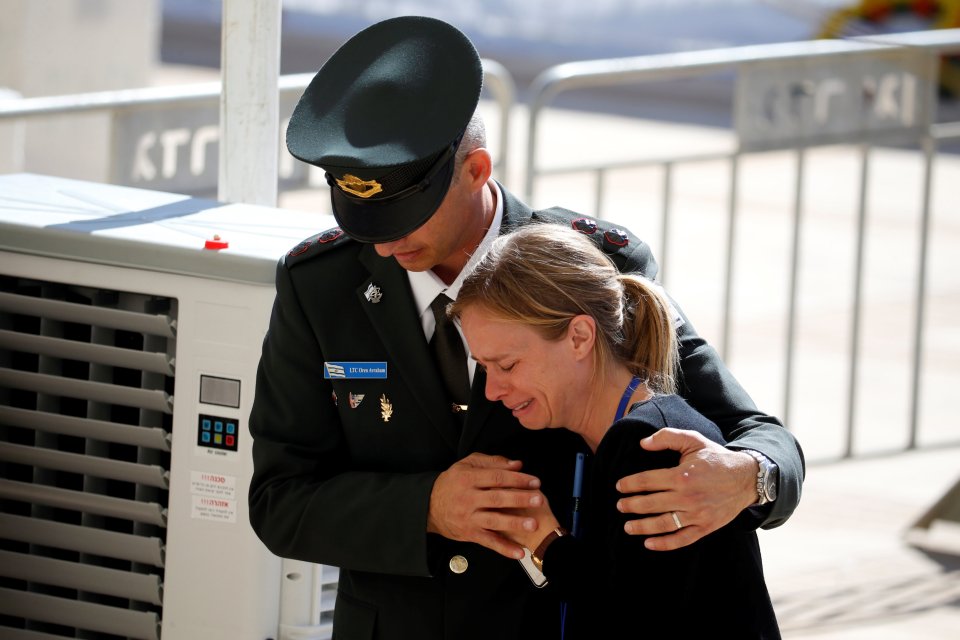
(373,293)
(333,396)
(386,408)
(355,399)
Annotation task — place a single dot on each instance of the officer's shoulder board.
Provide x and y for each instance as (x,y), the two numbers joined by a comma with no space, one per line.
(316,245)
(610,238)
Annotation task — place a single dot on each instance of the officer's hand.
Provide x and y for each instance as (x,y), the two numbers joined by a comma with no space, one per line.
(468,502)
(708,489)
(546,522)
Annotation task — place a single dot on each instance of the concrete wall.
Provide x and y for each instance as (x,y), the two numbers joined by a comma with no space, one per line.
(53,47)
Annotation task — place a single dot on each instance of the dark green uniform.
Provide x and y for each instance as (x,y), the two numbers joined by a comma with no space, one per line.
(344,467)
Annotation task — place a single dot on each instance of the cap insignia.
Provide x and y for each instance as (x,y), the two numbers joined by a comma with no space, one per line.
(360,188)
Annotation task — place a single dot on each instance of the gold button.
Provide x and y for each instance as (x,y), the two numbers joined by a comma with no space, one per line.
(458,564)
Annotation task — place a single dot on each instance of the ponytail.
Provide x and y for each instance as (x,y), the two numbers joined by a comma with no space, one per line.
(649,341)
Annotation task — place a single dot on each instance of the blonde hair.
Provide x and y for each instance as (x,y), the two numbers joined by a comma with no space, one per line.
(543,275)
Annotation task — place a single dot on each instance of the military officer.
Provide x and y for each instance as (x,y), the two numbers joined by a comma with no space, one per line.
(366,456)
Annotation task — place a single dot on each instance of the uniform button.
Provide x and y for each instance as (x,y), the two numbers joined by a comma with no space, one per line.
(458,564)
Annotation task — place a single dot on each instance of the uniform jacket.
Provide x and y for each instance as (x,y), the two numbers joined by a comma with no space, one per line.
(343,468)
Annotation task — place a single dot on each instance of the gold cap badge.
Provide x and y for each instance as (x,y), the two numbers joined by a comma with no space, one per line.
(360,188)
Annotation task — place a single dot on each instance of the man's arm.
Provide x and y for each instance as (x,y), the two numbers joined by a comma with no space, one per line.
(713,484)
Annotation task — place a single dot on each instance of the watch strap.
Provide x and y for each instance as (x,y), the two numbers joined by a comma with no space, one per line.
(538,553)
(764,469)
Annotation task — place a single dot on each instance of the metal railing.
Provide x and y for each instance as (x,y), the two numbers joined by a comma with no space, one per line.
(919,52)
(922,49)
(498,83)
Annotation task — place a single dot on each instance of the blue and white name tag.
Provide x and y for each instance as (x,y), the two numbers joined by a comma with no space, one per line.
(355,370)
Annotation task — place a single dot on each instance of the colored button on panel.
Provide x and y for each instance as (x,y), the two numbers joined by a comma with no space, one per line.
(217,439)
(231,427)
(231,441)
(206,424)
(205,437)
(218,426)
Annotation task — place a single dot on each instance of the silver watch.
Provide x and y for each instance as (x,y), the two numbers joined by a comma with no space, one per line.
(766,478)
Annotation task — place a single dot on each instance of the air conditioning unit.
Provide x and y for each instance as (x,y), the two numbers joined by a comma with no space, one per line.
(130,330)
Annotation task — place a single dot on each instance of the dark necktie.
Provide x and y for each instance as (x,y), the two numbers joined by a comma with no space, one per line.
(449,354)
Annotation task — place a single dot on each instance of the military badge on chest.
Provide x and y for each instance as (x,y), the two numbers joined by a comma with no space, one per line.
(386,408)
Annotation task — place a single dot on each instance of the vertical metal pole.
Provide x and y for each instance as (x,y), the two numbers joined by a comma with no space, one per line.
(929,153)
(857,300)
(500,83)
(794,278)
(249,101)
(929,150)
(665,222)
(529,171)
(601,189)
(731,242)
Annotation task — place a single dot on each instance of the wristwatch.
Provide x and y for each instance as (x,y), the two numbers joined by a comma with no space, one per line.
(537,555)
(766,478)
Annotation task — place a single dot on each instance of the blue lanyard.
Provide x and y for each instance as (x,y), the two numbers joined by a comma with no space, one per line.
(578,469)
(578,487)
(622,409)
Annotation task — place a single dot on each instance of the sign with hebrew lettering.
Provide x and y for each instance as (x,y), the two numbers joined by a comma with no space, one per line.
(850,97)
(175,147)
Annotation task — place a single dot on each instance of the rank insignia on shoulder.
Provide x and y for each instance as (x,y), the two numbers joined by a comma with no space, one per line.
(316,245)
(300,248)
(615,239)
(585,226)
(330,235)
(356,399)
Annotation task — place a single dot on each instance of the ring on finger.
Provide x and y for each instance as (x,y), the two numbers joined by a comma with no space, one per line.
(676,520)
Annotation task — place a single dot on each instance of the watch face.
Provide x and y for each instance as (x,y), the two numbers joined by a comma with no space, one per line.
(770,484)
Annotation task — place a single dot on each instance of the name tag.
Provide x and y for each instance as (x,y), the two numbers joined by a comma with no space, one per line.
(355,370)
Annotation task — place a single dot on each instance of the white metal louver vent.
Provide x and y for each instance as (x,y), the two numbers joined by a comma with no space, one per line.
(87,381)
(128,355)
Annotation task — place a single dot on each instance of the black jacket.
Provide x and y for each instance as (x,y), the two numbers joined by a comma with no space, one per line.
(712,588)
(350,487)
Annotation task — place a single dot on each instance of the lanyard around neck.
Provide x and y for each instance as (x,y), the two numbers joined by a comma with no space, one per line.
(622,409)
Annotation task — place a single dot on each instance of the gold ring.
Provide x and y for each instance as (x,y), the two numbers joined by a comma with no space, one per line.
(676,520)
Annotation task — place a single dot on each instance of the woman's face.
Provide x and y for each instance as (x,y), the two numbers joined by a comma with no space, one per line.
(533,377)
